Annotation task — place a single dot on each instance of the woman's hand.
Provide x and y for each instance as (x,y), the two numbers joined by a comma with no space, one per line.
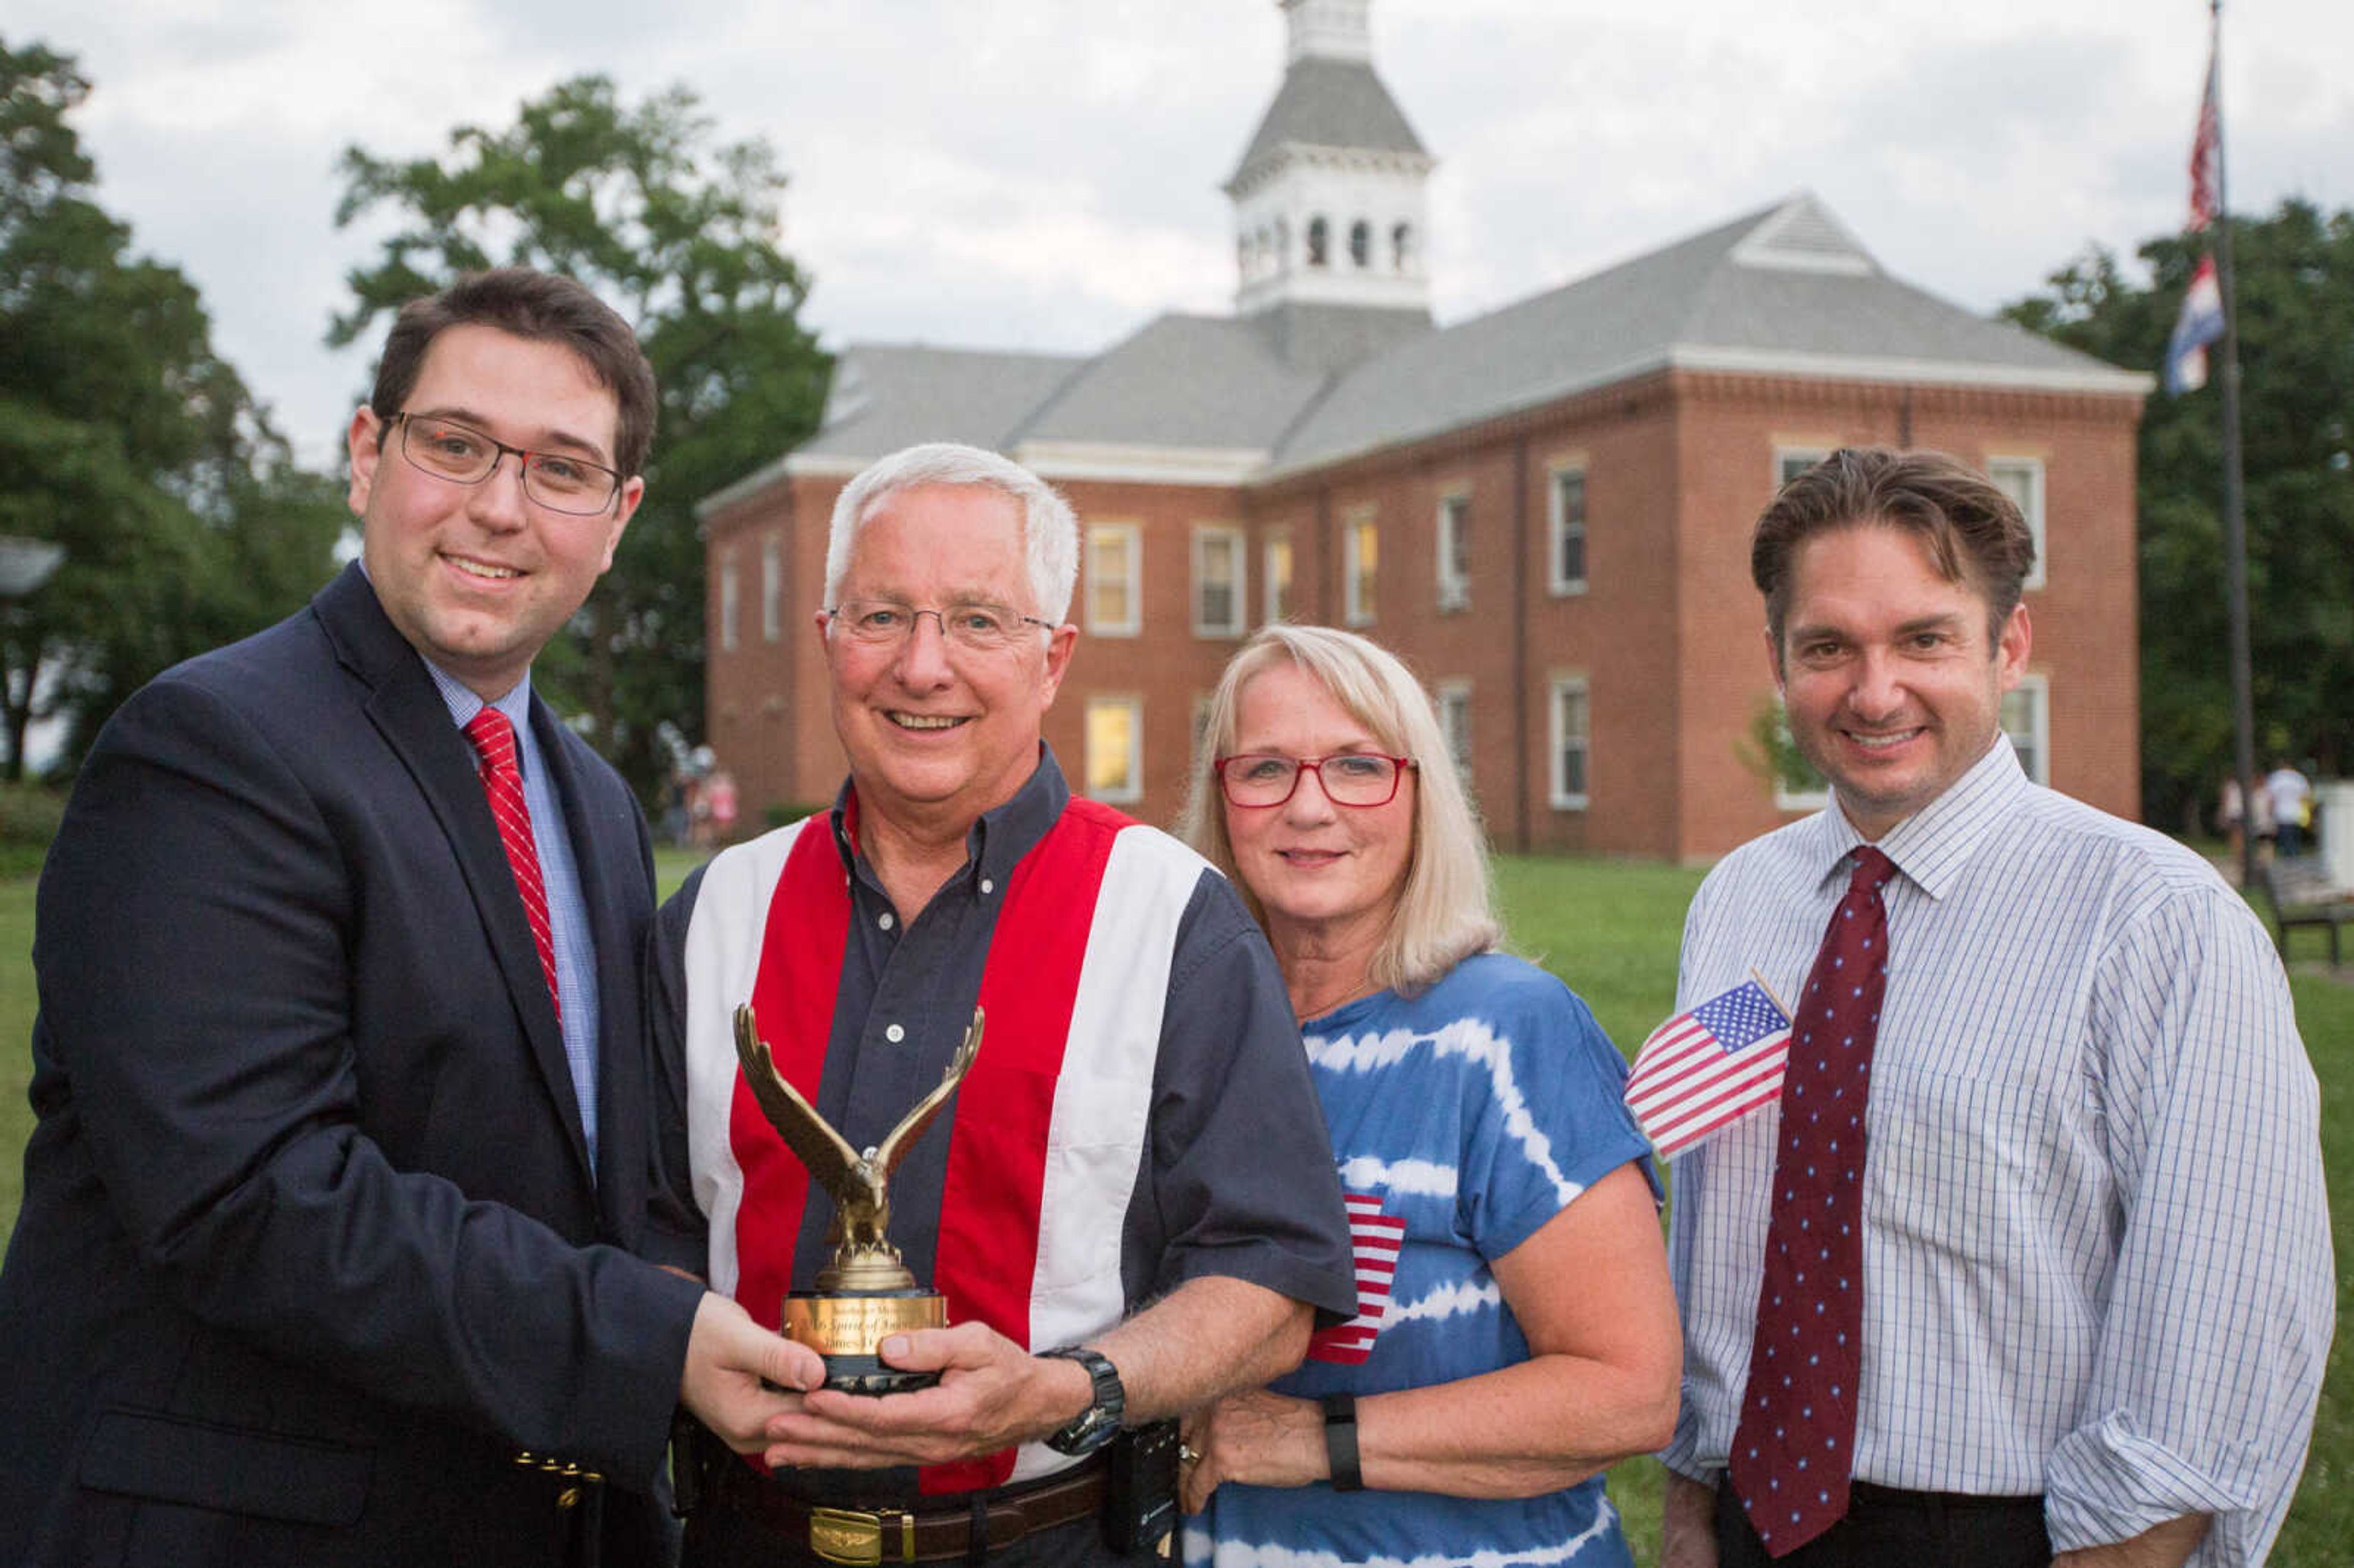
(1261,1438)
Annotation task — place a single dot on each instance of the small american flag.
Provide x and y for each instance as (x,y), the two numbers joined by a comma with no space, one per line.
(1701,1071)
(1376,1237)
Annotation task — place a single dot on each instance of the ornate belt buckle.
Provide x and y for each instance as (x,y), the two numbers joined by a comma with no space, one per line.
(847,1535)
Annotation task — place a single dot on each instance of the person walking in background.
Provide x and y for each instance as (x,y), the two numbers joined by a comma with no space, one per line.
(1515,1332)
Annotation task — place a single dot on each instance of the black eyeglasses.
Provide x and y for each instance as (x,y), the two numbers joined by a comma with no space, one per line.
(1349,777)
(463,455)
(972,623)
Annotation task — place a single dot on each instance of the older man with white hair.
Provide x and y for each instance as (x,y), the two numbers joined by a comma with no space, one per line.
(1131,1207)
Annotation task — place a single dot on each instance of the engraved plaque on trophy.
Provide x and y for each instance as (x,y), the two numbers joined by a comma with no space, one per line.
(865,1293)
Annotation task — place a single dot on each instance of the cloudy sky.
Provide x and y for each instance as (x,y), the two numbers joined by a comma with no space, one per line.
(1044,174)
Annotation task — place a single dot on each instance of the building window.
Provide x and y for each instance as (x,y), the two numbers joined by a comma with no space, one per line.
(1359,565)
(2026,719)
(1115,561)
(728,602)
(1278,576)
(1796,786)
(1217,582)
(1789,463)
(1361,244)
(1454,701)
(772,589)
(1319,242)
(2021,478)
(1402,247)
(1566,525)
(1114,749)
(1453,552)
(1571,731)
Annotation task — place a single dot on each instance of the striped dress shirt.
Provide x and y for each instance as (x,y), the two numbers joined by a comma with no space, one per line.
(2096,1241)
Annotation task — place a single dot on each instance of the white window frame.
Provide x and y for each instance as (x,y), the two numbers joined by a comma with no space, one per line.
(2032,509)
(727,590)
(772,587)
(1134,538)
(1562,797)
(1237,619)
(1452,700)
(1133,789)
(1355,611)
(2039,730)
(1557,573)
(1453,531)
(1277,584)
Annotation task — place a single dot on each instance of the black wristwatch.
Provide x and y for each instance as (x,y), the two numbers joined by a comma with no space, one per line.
(1100,1422)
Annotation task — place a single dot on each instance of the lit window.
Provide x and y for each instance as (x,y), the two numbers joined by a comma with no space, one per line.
(1565,523)
(1571,733)
(2021,478)
(1114,562)
(1453,552)
(1278,576)
(1363,551)
(1114,749)
(1217,582)
(2026,719)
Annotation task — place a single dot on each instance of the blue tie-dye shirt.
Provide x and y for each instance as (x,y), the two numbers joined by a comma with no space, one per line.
(1463,1119)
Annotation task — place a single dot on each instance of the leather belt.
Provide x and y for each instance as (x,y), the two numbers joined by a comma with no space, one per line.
(932,1534)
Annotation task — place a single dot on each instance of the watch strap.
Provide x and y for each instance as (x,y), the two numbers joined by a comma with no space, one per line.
(1108,1405)
(1340,1442)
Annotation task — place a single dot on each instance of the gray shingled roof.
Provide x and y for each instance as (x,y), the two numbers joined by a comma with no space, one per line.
(1329,103)
(1712,298)
(888,396)
(1783,289)
(1181,381)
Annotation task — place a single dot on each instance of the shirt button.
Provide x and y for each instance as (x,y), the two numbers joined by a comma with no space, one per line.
(885,920)
(987,885)
(895,1034)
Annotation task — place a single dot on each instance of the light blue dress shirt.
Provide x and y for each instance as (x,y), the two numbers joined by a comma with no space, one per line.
(567,912)
(2096,1250)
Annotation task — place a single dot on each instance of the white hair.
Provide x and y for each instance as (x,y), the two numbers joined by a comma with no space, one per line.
(1050,531)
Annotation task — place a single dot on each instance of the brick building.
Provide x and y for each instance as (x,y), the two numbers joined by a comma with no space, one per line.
(1544,509)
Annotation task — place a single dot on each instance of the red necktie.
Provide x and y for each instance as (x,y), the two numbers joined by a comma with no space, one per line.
(1794,1450)
(494,742)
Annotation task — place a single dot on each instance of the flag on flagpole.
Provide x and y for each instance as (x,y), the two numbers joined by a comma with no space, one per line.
(2202,321)
(1704,1070)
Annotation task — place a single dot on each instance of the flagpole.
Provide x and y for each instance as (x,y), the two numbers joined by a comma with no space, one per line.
(2235,528)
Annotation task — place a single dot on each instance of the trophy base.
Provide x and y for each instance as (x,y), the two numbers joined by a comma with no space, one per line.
(848,1329)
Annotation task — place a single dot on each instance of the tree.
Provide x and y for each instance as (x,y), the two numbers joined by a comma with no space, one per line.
(2295,296)
(680,235)
(124,438)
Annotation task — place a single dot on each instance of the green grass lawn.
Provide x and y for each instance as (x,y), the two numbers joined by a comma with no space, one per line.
(1611,931)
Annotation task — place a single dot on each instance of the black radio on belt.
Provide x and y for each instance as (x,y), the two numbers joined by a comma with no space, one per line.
(1141,1488)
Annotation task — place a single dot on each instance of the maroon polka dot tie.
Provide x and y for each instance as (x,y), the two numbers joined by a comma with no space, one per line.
(494,742)
(1793,1448)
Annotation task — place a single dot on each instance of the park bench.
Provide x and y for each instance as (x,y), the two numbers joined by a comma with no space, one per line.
(2303,895)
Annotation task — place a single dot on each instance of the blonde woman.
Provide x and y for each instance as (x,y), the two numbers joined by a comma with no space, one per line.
(1516,1334)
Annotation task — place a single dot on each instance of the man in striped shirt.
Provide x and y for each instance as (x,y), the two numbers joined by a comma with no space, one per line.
(2095,1285)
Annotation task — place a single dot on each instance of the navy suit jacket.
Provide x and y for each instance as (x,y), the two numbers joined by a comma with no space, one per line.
(309,1244)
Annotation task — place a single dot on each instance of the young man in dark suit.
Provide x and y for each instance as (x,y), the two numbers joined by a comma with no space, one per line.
(325,1251)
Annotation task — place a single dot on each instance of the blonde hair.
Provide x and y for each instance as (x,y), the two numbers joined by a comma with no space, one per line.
(1445,913)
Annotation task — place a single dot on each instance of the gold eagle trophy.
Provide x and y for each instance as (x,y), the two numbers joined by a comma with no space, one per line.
(865,1293)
